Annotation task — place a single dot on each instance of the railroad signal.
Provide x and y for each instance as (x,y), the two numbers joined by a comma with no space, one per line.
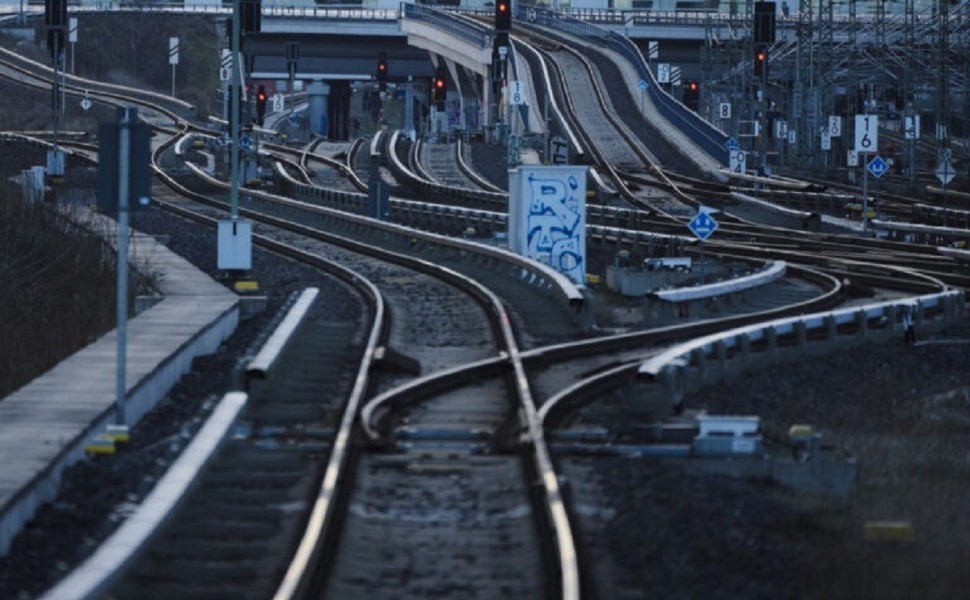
(382,67)
(503,15)
(692,95)
(761,61)
(764,23)
(246,109)
(55,13)
(251,20)
(260,105)
(439,88)
(55,17)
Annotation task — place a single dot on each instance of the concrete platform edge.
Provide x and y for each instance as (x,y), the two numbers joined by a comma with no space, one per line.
(141,398)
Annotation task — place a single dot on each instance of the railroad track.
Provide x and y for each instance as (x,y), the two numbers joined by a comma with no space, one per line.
(418,321)
(495,438)
(413,324)
(491,467)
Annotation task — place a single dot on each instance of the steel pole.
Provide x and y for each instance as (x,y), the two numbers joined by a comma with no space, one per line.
(234,116)
(121,387)
(764,117)
(865,192)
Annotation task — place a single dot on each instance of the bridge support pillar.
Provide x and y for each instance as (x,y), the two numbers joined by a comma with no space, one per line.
(317,93)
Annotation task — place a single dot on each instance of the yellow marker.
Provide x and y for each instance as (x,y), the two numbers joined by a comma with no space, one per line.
(118,433)
(247,286)
(592,278)
(101,444)
(888,531)
(800,431)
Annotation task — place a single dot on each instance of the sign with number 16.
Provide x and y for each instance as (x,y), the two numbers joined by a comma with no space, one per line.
(866,133)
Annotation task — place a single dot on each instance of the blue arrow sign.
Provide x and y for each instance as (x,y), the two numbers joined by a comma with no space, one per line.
(292,118)
(702,225)
(643,84)
(245,142)
(878,166)
(732,144)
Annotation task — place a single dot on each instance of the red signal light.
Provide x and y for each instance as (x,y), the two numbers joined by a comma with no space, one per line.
(693,86)
(439,83)
(503,16)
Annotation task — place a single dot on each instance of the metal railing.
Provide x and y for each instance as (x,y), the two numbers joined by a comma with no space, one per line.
(471,32)
(703,360)
(331,13)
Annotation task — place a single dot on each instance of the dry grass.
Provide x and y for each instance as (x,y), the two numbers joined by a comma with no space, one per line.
(58,293)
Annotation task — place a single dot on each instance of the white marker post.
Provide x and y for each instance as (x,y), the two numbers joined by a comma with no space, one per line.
(225,76)
(72,37)
(173,58)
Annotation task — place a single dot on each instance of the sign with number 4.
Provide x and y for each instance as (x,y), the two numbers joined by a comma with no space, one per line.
(738,161)
(866,133)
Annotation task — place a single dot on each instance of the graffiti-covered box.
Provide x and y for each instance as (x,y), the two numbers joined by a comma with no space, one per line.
(547,217)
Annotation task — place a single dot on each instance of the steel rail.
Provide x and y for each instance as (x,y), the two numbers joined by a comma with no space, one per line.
(426,185)
(319,526)
(376,414)
(567,289)
(296,581)
(40,71)
(471,173)
(320,529)
(801,257)
(556,518)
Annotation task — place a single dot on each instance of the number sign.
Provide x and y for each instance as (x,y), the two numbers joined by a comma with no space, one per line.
(516,93)
(739,160)
(911,127)
(835,126)
(866,133)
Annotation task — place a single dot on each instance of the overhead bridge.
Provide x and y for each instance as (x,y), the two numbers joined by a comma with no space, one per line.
(464,46)
(461,41)
(340,45)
